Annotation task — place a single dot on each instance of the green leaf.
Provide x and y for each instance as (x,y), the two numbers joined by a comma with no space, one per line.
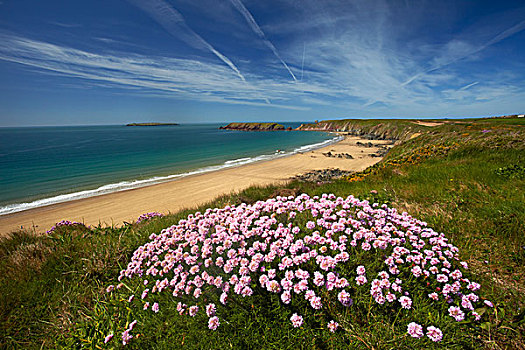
(486,326)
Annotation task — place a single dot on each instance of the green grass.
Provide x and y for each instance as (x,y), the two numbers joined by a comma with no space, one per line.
(52,287)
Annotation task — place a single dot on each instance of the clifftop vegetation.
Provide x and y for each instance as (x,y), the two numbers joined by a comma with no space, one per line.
(253,126)
(463,178)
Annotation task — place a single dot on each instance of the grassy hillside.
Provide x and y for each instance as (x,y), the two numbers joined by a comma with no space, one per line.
(395,129)
(465,179)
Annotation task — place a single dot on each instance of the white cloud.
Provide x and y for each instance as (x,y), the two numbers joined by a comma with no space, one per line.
(356,57)
(161,76)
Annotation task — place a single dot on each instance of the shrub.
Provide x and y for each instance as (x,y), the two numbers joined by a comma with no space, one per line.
(330,261)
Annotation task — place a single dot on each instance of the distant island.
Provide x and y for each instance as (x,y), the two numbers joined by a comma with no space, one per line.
(254,127)
(151,124)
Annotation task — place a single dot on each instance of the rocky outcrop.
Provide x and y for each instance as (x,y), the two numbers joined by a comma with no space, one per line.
(368,144)
(338,155)
(325,175)
(253,126)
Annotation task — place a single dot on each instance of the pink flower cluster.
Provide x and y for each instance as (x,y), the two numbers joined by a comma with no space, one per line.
(126,335)
(147,216)
(237,250)
(64,223)
(416,331)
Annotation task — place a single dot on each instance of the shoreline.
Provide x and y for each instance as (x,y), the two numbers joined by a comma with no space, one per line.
(193,190)
(134,184)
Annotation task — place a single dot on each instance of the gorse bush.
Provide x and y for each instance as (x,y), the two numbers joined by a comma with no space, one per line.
(330,263)
(513,172)
(415,156)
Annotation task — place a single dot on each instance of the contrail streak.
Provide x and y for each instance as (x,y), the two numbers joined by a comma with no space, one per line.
(302,64)
(174,23)
(255,27)
(501,36)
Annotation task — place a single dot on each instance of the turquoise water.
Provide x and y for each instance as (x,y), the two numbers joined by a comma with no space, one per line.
(45,165)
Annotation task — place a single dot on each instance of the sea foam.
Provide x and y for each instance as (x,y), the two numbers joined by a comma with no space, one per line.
(127,185)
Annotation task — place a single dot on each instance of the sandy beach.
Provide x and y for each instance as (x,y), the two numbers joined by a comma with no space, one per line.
(188,192)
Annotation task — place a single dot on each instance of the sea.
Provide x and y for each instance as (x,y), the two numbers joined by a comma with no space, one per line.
(47,165)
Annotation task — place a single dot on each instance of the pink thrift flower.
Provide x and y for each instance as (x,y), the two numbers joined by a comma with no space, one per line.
(286,284)
(332,326)
(110,288)
(473,297)
(360,280)
(297,320)
(224,298)
(273,286)
(434,333)
(341,283)
(108,338)
(456,312)
(466,304)
(213,323)
(286,297)
(309,294)
(390,297)
(415,330)
(318,279)
(263,279)
(126,337)
(211,309)
(344,298)
(181,308)
(144,294)
(488,303)
(315,302)
(193,310)
(433,296)
(406,302)
(155,307)
(383,275)
(246,291)
(473,286)
(442,278)
(416,271)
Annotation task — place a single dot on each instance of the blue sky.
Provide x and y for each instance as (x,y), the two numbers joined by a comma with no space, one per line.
(116,61)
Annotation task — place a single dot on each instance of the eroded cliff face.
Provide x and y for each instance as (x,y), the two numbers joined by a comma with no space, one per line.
(253,126)
(370,129)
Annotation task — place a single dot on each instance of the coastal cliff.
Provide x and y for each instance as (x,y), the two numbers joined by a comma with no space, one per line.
(384,129)
(253,126)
